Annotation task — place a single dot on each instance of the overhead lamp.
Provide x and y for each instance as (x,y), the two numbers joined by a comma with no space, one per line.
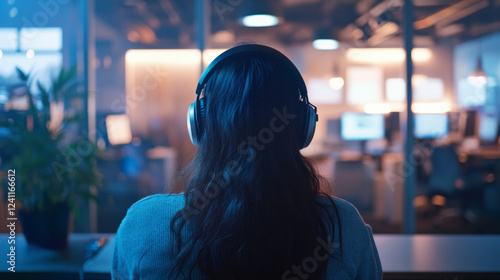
(257,13)
(336,81)
(13,12)
(324,41)
(478,78)
(142,33)
(30,54)
(260,20)
(326,44)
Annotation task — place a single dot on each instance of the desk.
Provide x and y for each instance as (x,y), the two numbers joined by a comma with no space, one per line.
(402,256)
(424,256)
(33,262)
(487,152)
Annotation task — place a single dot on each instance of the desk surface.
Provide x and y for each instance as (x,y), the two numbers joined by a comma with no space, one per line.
(482,152)
(32,259)
(439,253)
(399,254)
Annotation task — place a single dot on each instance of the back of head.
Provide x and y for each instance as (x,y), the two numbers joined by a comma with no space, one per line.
(251,195)
(252,109)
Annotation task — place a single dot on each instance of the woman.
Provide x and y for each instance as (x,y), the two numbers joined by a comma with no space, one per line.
(252,206)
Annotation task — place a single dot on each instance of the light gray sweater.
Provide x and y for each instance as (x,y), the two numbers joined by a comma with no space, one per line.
(143,240)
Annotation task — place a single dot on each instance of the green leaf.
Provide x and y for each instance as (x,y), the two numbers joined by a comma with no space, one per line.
(44,96)
(72,119)
(61,86)
(34,153)
(23,76)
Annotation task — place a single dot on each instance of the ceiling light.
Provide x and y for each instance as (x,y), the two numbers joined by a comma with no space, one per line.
(336,83)
(30,54)
(13,12)
(326,44)
(478,78)
(133,36)
(141,33)
(323,40)
(257,13)
(259,20)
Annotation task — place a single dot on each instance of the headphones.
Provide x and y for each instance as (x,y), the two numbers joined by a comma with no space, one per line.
(196,111)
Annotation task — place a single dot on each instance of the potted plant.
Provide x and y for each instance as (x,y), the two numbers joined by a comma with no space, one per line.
(54,169)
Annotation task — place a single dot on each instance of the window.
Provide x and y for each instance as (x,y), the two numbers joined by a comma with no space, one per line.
(395,89)
(319,91)
(41,39)
(364,84)
(33,50)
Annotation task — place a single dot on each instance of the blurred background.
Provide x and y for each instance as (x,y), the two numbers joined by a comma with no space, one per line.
(133,65)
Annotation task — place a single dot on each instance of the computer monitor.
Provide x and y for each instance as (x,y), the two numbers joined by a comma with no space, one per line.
(429,126)
(488,128)
(360,126)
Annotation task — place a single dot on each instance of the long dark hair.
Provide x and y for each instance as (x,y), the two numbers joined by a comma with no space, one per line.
(251,197)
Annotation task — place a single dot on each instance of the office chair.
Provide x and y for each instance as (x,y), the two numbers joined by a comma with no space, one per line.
(448,181)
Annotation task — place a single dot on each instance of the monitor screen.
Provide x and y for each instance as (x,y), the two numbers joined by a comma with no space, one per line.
(431,125)
(359,126)
(488,128)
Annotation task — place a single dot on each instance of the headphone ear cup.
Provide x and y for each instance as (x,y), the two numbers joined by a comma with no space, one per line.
(195,120)
(191,123)
(309,121)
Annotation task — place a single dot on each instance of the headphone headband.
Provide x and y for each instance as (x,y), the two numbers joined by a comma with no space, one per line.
(249,48)
(196,111)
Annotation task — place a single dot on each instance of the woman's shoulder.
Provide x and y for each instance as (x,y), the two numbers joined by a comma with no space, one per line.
(150,214)
(355,239)
(342,207)
(344,213)
(144,237)
(161,201)
(152,210)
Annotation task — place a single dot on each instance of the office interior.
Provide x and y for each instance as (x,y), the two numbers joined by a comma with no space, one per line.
(137,63)
(144,64)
